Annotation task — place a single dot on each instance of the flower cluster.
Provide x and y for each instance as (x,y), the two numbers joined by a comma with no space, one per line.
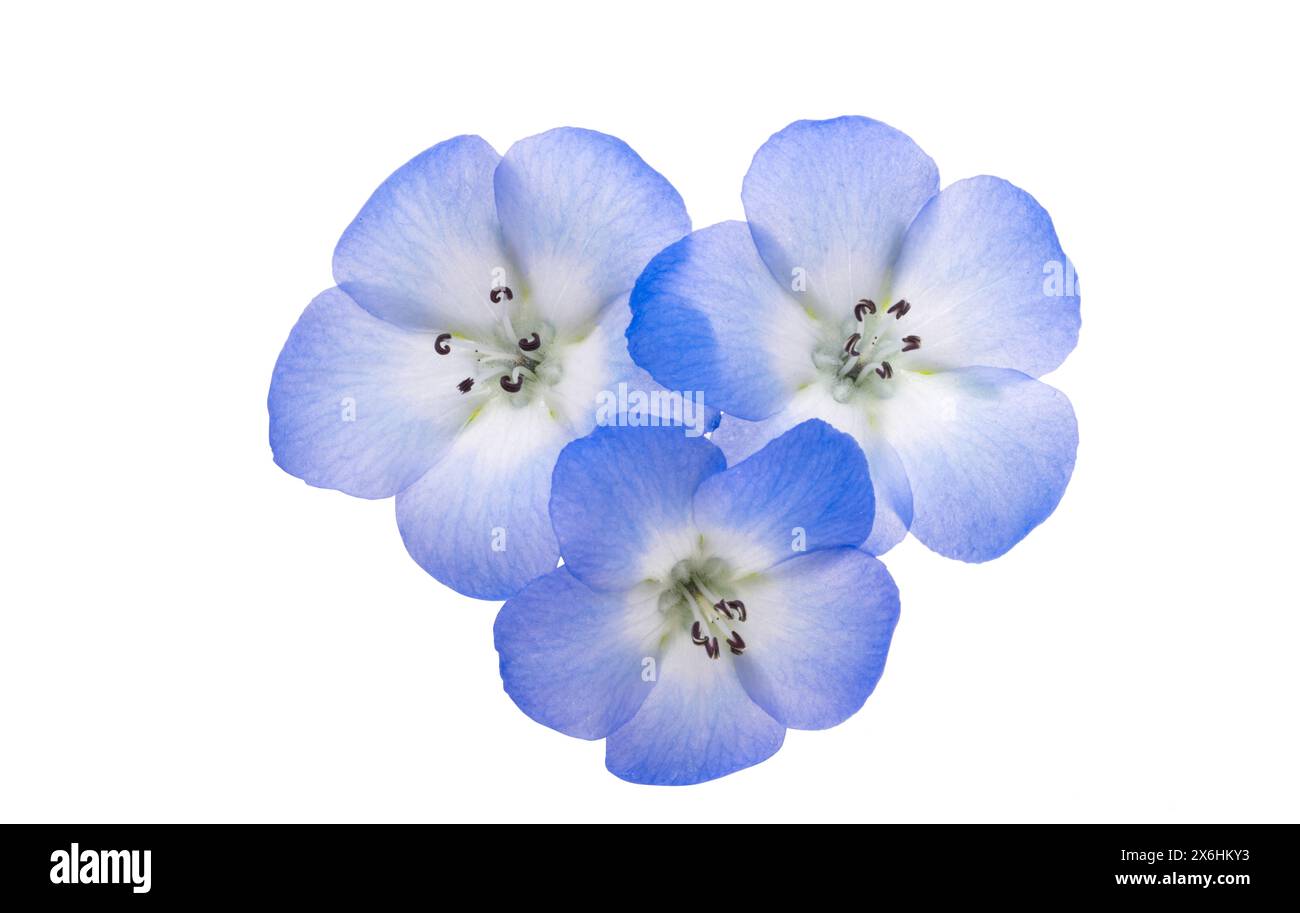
(526,351)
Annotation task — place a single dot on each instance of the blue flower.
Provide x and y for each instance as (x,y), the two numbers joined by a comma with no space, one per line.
(701,610)
(914,320)
(479,314)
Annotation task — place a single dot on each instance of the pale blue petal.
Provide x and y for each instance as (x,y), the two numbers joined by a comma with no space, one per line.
(830,201)
(708,316)
(893,494)
(621,502)
(583,214)
(478,521)
(805,490)
(426,249)
(987,281)
(697,724)
(358,404)
(816,636)
(633,397)
(988,452)
(575,659)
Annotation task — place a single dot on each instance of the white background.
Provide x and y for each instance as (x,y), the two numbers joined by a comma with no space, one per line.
(189,634)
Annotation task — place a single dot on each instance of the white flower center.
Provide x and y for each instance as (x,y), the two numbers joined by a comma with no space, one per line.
(511,361)
(695,599)
(864,352)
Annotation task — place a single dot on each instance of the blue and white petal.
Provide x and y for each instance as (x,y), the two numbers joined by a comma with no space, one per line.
(358,404)
(708,316)
(988,452)
(817,635)
(661,405)
(893,492)
(830,201)
(889,485)
(988,282)
(582,214)
(478,520)
(599,373)
(426,249)
(621,503)
(697,724)
(575,659)
(808,489)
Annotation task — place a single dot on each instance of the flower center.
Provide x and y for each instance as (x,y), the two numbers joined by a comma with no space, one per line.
(875,343)
(513,361)
(697,600)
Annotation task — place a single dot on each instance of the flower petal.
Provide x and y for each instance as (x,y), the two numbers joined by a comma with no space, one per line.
(426,249)
(806,490)
(816,636)
(578,660)
(583,214)
(988,281)
(707,316)
(988,452)
(358,404)
(624,394)
(892,493)
(477,521)
(697,724)
(833,198)
(621,502)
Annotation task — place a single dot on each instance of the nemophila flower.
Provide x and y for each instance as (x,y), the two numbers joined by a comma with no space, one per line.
(477,326)
(915,320)
(701,610)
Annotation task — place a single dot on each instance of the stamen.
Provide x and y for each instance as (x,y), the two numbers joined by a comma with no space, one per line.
(464,385)
(853,341)
(885,371)
(696,636)
(737,643)
(511,386)
(531,343)
(721,606)
(865,305)
(911,342)
(738,606)
(500,290)
(440,344)
(712,649)
(899,308)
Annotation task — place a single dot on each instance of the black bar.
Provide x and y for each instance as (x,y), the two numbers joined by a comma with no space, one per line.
(374,863)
